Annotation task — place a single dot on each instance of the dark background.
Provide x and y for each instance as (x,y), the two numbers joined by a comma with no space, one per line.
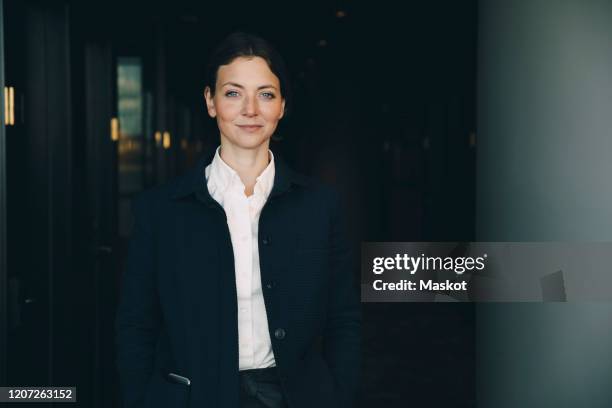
(385,102)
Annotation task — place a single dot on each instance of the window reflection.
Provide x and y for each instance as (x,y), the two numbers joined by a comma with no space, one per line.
(129,94)
(131,138)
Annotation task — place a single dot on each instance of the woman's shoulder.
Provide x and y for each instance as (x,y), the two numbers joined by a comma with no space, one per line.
(156,197)
(316,193)
(308,182)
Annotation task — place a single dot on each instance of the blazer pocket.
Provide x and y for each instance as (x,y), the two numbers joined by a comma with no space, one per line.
(320,378)
(168,389)
(178,379)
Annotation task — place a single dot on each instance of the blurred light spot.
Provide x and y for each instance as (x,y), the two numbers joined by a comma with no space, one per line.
(9,106)
(472,139)
(114,129)
(158,138)
(340,13)
(166,140)
(322,43)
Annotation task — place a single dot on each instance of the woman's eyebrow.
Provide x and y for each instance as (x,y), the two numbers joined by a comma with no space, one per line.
(266,86)
(233,84)
(242,87)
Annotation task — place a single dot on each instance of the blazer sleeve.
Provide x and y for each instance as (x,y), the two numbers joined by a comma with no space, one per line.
(138,318)
(342,331)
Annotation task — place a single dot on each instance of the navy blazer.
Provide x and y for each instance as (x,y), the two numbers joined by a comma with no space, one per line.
(176,326)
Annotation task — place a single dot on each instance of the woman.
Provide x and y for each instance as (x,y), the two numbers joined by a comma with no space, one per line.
(238,290)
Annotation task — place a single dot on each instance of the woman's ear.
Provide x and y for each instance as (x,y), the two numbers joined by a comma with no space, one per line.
(210,104)
(282,113)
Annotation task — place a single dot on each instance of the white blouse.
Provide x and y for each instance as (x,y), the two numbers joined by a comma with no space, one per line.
(242,212)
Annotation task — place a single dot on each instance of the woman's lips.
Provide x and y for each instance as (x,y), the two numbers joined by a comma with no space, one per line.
(250,128)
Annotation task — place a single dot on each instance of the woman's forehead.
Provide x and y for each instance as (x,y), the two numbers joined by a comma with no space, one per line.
(247,71)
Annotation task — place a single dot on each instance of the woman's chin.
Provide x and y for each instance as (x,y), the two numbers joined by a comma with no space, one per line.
(249,142)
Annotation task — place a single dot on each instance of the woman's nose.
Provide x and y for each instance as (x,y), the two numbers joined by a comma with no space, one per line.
(249,108)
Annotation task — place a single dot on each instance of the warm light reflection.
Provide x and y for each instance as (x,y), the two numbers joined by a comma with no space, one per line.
(9,105)
(184,144)
(12,105)
(340,13)
(166,140)
(158,138)
(127,146)
(114,129)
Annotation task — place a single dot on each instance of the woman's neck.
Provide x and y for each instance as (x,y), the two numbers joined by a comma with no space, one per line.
(248,163)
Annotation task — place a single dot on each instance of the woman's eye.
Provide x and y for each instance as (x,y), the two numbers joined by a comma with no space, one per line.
(268,95)
(231,93)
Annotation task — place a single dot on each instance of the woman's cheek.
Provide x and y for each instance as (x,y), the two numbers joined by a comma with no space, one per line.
(272,113)
(228,110)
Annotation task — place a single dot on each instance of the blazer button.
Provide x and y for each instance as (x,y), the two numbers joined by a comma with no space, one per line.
(266,241)
(279,334)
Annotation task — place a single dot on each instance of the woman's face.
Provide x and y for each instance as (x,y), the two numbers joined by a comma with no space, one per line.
(247,104)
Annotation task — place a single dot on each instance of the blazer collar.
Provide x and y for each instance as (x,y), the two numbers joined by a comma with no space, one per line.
(194,181)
